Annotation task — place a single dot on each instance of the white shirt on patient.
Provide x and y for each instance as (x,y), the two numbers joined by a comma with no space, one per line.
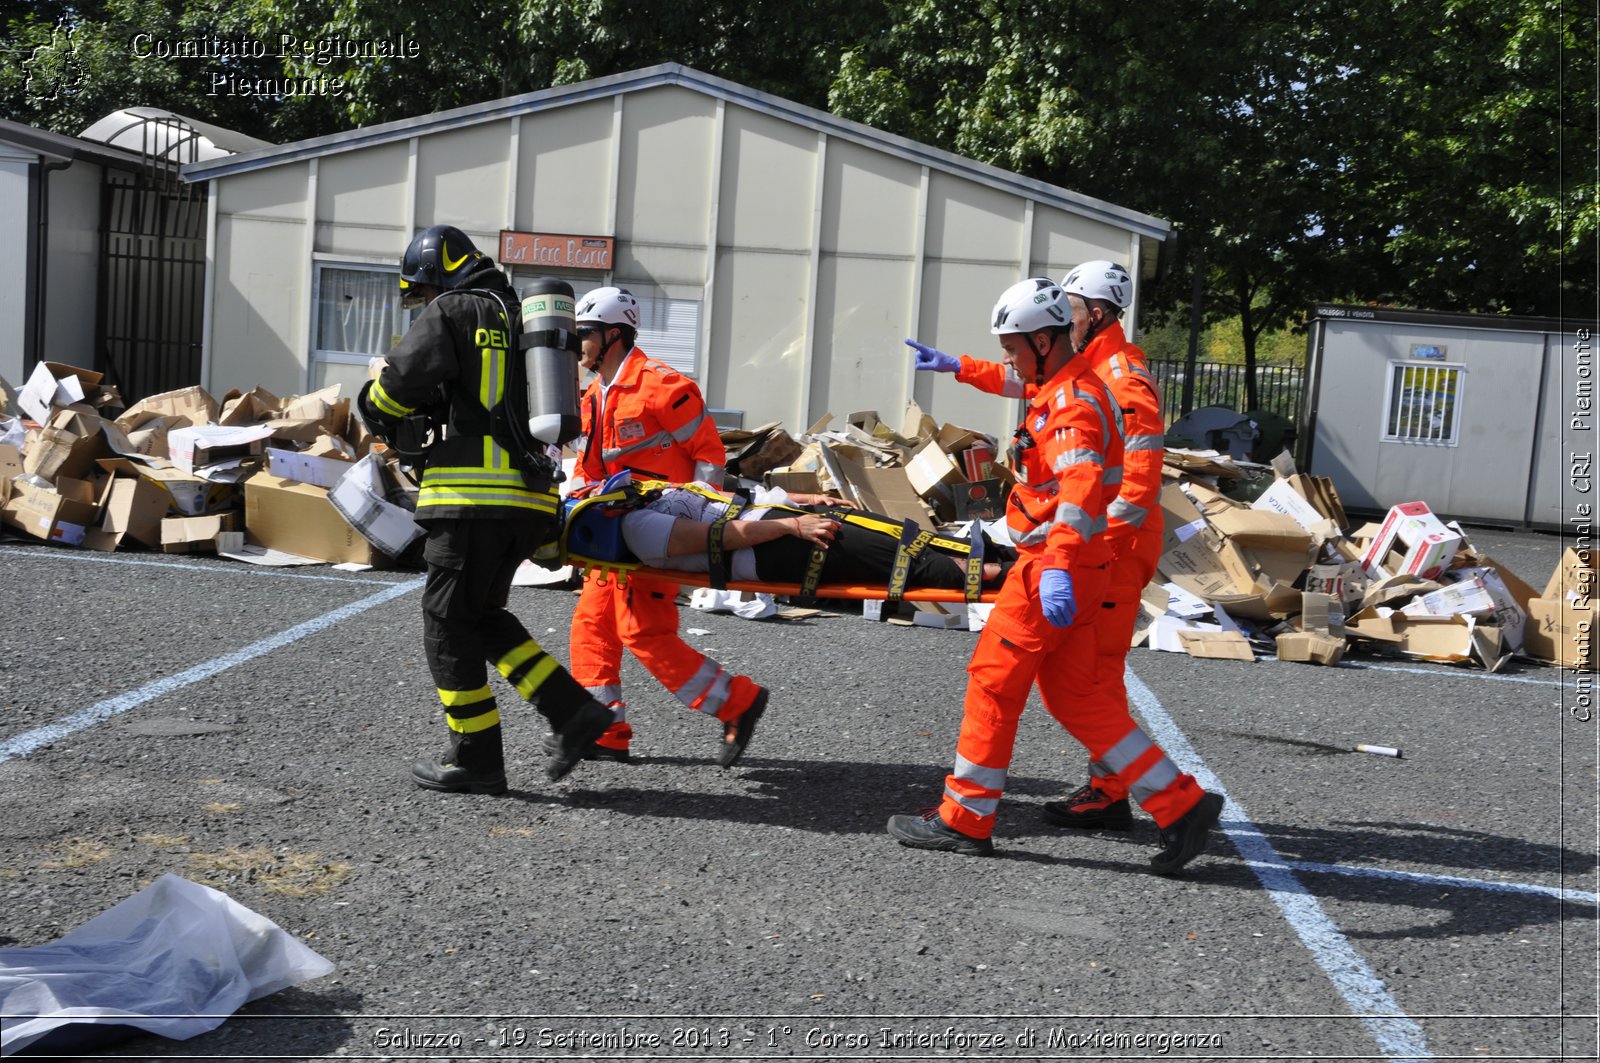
(647,529)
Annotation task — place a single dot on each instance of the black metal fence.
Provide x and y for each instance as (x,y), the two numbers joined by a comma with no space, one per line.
(1279,388)
(153,250)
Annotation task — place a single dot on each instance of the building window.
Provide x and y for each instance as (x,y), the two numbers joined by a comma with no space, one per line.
(669,329)
(358,313)
(1423,403)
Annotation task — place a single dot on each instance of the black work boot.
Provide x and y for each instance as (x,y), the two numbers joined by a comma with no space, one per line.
(1186,839)
(744,727)
(575,736)
(596,751)
(473,764)
(930,831)
(1089,809)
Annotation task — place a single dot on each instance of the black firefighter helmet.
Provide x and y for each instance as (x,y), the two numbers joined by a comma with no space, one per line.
(441,256)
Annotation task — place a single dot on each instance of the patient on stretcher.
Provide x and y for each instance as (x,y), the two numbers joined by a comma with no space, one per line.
(773,539)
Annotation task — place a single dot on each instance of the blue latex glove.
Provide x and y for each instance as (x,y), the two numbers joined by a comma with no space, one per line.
(933,360)
(1055,593)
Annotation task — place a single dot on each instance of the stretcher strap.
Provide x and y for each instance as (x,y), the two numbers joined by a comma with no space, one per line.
(912,542)
(974,584)
(720,560)
(819,557)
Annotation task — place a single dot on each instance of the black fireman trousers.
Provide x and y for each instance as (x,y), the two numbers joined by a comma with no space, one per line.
(466,627)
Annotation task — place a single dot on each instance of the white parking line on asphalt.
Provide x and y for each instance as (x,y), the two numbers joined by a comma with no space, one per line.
(1397,1034)
(29,741)
(247,570)
(1577,896)
(1446,672)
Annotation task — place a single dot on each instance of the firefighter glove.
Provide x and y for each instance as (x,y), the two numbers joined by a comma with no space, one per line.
(1055,594)
(932,359)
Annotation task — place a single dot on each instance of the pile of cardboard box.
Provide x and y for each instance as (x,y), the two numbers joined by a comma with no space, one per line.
(1285,574)
(276,480)
(257,477)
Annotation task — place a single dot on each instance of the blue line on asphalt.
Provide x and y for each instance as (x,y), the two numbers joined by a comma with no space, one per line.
(248,570)
(28,742)
(1577,896)
(1397,1034)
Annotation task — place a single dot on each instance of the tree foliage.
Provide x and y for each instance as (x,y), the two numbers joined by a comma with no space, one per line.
(1432,154)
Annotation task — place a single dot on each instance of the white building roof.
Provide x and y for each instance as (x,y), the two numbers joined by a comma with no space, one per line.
(675,74)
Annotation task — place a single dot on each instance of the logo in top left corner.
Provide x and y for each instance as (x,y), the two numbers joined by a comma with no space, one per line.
(53,67)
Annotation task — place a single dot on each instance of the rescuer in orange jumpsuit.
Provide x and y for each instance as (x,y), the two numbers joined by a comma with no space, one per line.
(1068,456)
(646,417)
(1098,292)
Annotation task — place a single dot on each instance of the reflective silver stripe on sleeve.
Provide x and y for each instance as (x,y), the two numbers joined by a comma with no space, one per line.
(1013,388)
(1111,474)
(1129,748)
(708,473)
(1075,518)
(1127,512)
(687,431)
(988,778)
(1145,442)
(1162,774)
(978,806)
(1077,456)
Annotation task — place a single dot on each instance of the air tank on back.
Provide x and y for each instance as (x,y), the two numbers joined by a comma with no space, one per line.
(550,356)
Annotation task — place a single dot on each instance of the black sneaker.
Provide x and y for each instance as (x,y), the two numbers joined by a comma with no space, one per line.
(929,831)
(1089,809)
(452,778)
(596,751)
(743,728)
(587,724)
(1186,839)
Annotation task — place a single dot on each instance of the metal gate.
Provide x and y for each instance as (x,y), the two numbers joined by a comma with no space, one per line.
(153,262)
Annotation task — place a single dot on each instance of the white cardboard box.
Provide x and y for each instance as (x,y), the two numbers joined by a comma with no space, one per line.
(1423,544)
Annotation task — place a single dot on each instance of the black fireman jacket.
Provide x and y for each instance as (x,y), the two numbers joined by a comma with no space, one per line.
(454,363)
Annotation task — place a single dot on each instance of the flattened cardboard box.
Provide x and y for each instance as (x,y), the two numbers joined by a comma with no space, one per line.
(134,509)
(299,519)
(196,535)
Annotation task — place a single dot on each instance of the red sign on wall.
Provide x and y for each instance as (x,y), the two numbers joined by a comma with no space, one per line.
(555,250)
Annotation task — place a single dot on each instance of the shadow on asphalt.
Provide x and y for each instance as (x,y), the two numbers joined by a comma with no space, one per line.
(852,798)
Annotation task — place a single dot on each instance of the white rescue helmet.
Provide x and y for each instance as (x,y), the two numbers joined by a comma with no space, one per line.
(608,306)
(1100,279)
(1030,305)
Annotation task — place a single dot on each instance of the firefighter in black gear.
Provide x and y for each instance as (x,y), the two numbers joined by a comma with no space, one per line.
(483,515)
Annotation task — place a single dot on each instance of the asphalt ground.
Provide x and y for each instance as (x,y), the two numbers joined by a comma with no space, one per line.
(253,729)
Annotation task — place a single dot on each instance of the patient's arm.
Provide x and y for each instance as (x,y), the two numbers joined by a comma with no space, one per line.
(689,536)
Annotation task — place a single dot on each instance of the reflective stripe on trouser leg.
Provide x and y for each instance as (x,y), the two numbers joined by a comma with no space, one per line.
(650,631)
(1004,664)
(470,711)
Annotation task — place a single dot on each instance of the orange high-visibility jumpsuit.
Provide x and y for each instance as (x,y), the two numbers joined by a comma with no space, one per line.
(653,421)
(1135,765)
(1076,689)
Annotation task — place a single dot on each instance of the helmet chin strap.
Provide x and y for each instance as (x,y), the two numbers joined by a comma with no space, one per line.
(1038,362)
(1091,332)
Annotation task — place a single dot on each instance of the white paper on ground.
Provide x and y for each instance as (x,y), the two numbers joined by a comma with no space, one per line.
(715,601)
